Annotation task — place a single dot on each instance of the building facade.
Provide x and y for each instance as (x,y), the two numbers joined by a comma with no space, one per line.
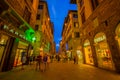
(99,22)
(70,34)
(44,29)
(17,18)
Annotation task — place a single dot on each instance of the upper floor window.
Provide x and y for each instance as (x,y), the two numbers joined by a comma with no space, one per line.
(76,24)
(75,15)
(77,35)
(36,27)
(40,6)
(27,15)
(38,17)
(94,3)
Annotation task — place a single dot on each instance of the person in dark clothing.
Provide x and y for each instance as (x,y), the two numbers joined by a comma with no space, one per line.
(38,61)
(58,58)
(45,61)
(74,59)
(30,60)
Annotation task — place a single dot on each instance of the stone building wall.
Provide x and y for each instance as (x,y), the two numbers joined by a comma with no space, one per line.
(104,18)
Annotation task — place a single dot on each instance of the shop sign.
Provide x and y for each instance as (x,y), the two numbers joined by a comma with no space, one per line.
(101,38)
(86,44)
(13,31)
(16,33)
(5,27)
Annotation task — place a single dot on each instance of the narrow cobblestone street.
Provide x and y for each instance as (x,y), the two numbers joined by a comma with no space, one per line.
(60,71)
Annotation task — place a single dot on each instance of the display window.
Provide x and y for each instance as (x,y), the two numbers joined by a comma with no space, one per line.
(22,47)
(18,56)
(3,42)
(88,53)
(80,56)
(103,53)
(117,37)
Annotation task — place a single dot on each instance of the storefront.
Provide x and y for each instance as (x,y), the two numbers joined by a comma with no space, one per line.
(103,52)
(3,43)
(80,56)
(69,55)
(88,53)
(22,47)
(117,37)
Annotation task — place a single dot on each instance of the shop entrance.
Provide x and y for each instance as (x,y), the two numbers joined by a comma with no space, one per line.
(103,52)
(88,52)
(80,56)
(22,47)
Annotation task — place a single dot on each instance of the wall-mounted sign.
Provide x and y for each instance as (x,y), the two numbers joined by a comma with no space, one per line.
(11,30)
(99,39)
(86,44)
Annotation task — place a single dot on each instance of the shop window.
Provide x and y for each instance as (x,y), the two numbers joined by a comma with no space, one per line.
(3,42)
(103,52)
(3,39)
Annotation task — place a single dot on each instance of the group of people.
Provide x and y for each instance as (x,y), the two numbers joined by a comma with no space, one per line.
(62,58)
(75,58)
(42,62)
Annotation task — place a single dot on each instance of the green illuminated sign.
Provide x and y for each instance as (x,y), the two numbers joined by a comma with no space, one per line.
(29,34)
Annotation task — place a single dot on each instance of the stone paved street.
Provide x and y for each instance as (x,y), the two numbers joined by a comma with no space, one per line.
(60,71)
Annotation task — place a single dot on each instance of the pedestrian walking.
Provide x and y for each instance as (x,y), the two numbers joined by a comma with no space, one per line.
(58,58)
(45,62)
(38,61)
(23,61)
(48,61)
(75,59)
(30,60)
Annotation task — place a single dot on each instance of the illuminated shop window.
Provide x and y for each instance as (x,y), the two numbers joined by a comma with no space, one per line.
(103,52)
